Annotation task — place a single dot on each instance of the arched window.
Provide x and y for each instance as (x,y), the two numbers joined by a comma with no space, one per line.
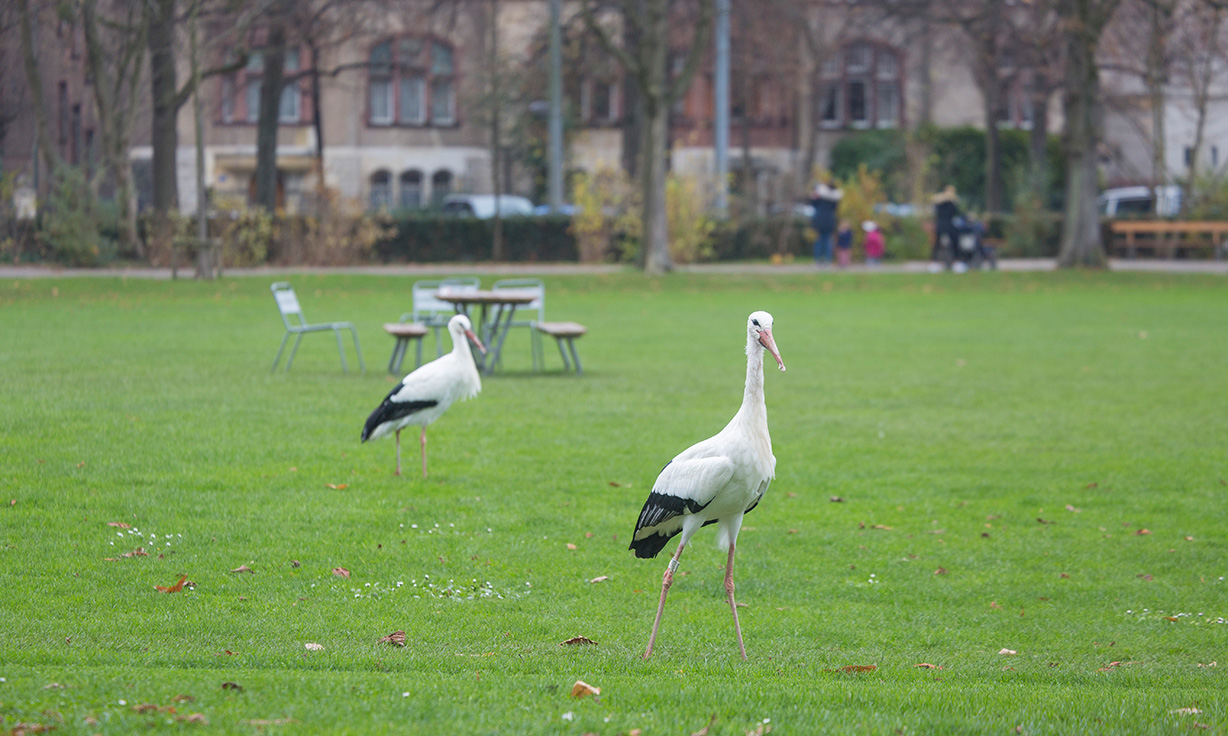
(862,87)
(412,82)
(411,189)
(441,185)
(381,190)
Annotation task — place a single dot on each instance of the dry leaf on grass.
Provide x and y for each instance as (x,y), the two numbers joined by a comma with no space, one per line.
(194,718)
(577,640)
(341,572)
(582,688)
(1141,532)
(313,647)
(600,579)
(995,604)
(571,546)
(882,527)
(244,568)
(21,729)
(174,588)
(927,666)
(232,686)
(53,686)
(1007,652)
(182,699)
(836,499)
(337,486)
(145,708)
(762,730)
(119,524)
(1114,665)
(396,639)
(857,668)
(1185,711)
(704,731)
(941,571)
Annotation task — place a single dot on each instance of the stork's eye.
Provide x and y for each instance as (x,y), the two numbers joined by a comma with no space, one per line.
(755,322)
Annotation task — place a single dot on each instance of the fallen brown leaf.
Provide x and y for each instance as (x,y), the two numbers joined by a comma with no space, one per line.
(571,546)
(762,730)
(174,588)
(1208,664)
(244,568)
(836,499)
(194,718)
(232,686)
(1091,485)
(1144,576)
(600,579)
(145,708)
(1062,575)
(224,653)
(927,665)
(311,646)
(995,604)
(1185,711)
(337,486)
(793,531)
(53,686)
(341,572)
(856,668)
(1043,521)
(295,563)
(582,688)
(1007,652)
(1072,509)
(119,524)
(941,571)
(704,731)
(182,699)
(1141,532)
(396,638)
(1112,665)
(882,527)
(588,535)
(21,729)
(577,640)
(615,484)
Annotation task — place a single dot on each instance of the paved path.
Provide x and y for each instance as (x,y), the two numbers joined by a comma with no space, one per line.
(556,269)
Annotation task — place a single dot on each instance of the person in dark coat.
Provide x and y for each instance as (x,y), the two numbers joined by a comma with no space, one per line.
(825,200)
(946,209)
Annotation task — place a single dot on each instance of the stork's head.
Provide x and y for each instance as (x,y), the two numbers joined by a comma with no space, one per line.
(460,326)
(759,329)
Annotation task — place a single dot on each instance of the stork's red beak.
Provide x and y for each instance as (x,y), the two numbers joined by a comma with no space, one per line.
(474,339)
(769,344)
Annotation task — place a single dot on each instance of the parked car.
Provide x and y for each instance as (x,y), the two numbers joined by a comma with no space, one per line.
(564,209)
(1161,201)
(482,206)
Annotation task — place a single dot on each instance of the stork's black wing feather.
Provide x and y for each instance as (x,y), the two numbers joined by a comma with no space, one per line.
(391,410)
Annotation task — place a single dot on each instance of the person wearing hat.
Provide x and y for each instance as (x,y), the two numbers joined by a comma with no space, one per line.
(826,197)
(873,242)
(946,209)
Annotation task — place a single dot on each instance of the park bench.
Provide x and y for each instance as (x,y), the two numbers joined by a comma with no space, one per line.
(1168,237)
(564,332)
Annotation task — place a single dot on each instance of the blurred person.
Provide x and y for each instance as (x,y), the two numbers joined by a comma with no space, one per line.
(825,200)
(874,242)
(844,244)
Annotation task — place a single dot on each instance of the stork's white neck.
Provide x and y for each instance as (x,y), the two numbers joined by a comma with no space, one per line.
(754,410)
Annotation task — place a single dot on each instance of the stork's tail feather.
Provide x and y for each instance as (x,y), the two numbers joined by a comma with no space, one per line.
(650,546)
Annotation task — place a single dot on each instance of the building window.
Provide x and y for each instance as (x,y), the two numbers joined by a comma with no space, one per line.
(240,95)
(381,190)
(441,186)
(1015,107)
(411,190)
(862,87)
(412,82)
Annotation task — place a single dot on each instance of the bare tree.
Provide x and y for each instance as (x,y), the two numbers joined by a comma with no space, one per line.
(647,65)
(1082,24)
(1199,65)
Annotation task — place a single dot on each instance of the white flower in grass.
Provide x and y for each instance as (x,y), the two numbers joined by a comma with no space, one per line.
(569,716)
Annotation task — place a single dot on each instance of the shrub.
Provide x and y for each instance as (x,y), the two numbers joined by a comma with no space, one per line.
(71,223)
(435,238)
(760,238)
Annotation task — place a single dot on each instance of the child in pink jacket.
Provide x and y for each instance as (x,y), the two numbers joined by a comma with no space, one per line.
(874,242)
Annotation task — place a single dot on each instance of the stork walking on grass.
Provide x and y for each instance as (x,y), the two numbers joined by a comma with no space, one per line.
(716,481)
(424,395)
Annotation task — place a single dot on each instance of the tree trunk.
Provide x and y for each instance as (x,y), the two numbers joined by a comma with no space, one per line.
(34,80)
(633,107)
(993,155)
(165,133)
(655,245)
(496,237)
(1154,78)
(267,122)
(1081,241)
(1038,140)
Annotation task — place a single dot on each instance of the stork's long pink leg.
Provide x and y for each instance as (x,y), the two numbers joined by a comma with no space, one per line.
(737,627)
(398,452)
(422,439)
(666,581)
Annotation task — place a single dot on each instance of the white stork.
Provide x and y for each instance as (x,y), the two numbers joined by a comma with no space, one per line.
(714,481)
(425,394)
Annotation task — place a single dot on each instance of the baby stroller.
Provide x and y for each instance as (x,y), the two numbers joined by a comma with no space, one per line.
(963,246)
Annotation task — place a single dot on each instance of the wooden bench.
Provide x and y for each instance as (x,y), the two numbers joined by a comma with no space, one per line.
(564,332)
(404,332)
(1164,236)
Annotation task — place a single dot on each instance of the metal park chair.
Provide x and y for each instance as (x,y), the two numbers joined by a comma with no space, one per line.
(534,310)
(296,324)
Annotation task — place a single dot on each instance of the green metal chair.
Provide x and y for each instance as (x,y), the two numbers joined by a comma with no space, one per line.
(296,324)
(535,308)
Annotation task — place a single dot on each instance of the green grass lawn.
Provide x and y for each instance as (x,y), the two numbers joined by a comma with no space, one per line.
(1028,462)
